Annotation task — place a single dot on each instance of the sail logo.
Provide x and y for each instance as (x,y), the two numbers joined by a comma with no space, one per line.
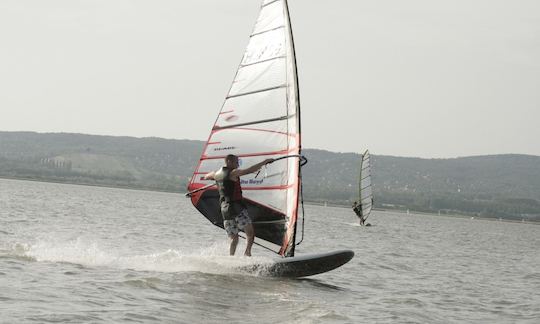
(251,181)
(226,148)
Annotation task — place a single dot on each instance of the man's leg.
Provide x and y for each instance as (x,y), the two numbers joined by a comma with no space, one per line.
(234,243)
(250,233)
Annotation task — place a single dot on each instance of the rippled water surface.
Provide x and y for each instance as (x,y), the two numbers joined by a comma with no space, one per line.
(88,254)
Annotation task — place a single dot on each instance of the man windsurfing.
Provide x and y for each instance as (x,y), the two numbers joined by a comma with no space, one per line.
(357,208)
(233,209)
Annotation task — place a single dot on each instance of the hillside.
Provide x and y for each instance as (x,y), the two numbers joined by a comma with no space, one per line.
(492,186)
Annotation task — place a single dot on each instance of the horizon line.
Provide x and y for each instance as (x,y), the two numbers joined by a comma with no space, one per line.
(320,149)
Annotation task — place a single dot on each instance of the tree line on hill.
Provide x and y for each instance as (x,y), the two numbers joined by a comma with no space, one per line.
(505,186)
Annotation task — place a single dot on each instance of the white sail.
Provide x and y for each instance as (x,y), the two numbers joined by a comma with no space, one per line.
(365,191)
(260,119)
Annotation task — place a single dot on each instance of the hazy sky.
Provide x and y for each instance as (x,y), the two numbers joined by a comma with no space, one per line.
(428,78)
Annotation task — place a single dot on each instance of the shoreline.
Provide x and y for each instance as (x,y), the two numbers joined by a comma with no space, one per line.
(413,212)
(89,184)
(314,203)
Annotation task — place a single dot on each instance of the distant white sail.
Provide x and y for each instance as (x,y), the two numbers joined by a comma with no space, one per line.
(260,119)
(364,186)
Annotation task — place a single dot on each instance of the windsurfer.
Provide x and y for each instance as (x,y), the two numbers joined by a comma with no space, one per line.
(233,209)
(357,207)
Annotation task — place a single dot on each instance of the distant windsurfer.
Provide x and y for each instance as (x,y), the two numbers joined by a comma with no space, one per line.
(357,207)
(233,209)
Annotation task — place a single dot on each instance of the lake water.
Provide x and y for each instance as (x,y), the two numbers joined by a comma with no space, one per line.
(88,254)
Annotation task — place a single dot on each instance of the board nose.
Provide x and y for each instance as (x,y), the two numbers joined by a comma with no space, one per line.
(346,255)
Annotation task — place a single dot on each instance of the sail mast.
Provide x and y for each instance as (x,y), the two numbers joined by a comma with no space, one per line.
(295,74)
(294,95)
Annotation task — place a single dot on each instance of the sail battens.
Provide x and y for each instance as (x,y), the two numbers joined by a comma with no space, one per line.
(266,31)
(269,3)
(264,61)
(280,152)
(266,130)
(251,123)
(256,91)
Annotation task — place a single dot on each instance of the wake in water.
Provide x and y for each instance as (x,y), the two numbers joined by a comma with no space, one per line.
(353,224)
(207,260)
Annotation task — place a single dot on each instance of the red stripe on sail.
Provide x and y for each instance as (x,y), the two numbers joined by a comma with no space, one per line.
(194,173)
(197,185)
(192,185)
(282,187)
(265,130)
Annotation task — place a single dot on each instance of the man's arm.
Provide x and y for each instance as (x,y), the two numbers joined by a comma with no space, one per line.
(240,172)
(210,176)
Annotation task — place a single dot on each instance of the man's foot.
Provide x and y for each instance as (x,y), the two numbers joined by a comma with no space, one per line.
(248,254)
